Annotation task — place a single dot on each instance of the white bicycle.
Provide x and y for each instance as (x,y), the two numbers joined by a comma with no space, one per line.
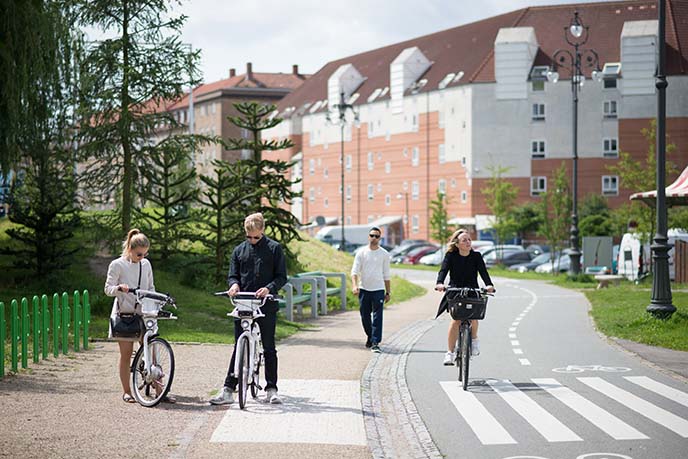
(152,369)
(249,347)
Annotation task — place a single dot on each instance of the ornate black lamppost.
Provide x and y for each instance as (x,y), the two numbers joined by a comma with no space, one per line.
(342,108)
(576,35)
(660,305)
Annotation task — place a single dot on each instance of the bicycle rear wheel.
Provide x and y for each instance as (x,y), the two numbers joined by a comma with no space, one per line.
(464,353)
(243,356)
(150,388)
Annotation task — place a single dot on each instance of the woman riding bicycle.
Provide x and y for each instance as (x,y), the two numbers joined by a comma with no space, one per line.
(463,265)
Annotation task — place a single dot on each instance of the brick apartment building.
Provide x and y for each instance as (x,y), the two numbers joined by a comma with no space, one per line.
(439,112)
(214,102)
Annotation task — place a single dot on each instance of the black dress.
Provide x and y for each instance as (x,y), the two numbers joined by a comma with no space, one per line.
(463,272)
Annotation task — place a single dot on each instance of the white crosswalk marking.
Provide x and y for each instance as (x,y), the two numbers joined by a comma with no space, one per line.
(662,389)
(645,408)
(548,426)
(484,425)
(610,424)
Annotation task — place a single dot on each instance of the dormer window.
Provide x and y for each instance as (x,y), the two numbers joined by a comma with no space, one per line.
(446,80)
(610,73)
(374,95)
(538,76)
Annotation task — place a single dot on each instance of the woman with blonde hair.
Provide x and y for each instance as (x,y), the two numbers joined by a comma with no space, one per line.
(463,265)
(130,270)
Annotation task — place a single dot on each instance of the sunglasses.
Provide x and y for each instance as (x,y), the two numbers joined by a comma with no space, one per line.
(254,238)
(141,255)
(376,236)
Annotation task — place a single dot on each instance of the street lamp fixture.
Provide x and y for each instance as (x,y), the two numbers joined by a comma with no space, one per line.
(406,213)
(576,35)
(342,107)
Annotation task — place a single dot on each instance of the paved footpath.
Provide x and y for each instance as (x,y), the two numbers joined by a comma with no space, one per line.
(72,407)
(340,400)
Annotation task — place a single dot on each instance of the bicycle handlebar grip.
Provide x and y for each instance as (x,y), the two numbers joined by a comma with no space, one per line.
(221,294)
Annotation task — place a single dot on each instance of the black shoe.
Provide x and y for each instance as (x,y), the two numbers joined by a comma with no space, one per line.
(369,343)
(375,348)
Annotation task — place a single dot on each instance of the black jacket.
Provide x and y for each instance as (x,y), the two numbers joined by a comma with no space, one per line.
(463,272)
(257,266)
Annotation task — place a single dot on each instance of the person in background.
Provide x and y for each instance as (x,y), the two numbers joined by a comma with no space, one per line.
(130,270)
(370,276)
(463,265)
(258,265)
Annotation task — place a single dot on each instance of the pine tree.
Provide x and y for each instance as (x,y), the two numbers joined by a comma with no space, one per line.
(128,80)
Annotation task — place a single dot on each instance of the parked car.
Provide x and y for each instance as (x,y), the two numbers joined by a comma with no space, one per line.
(507,257)
(406,245)
(501,249)
(414,255)
(545,257)
(405,250)
(433,258)
(561,263)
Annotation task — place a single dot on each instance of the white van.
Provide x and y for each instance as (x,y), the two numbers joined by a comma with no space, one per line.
(635,261)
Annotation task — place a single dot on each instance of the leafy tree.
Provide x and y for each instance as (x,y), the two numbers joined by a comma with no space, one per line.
(268,188)
(634,175)
(128,79)
(439,230)
(526,219)
(555,208)
(500,196)
(43,198)
(595,218)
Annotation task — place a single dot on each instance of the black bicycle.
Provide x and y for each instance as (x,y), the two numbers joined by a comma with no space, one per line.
(465,304)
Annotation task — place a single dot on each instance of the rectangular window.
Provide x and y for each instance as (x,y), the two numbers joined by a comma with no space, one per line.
(442,186)
(348,193)
(610,185)
(415,157)
(415,224)
(609,84)
(388,167)
(538,185)
(538,112)
(537,149)
(610,109)
(415,190)
(311,194)
(538,85)
(311,166)
(388,200)
(371,160)
(440,154)
(371,192)
(610,148)
(348,162)
(414,122)
(464,196)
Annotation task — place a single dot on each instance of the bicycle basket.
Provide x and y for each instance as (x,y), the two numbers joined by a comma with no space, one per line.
(467,308)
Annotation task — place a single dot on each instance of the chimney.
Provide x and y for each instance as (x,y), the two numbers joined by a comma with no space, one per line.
(295,69)
(232,73)
(249,71)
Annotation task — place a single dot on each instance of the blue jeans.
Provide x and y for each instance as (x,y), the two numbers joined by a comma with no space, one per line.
(372,302)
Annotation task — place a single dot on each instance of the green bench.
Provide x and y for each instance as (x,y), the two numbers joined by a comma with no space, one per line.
(294,295)
(324,291)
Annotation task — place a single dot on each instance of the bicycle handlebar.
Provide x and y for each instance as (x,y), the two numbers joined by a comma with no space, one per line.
(247,296)
(481,290)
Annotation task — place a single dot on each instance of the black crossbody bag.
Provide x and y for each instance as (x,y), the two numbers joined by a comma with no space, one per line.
(125,325)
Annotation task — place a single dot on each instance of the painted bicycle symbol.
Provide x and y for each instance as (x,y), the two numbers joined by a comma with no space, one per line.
(582,368)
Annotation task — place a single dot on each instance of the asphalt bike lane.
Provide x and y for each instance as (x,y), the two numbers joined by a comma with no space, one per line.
(546,385)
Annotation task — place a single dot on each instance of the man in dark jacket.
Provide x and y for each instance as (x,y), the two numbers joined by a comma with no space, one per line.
(258,265)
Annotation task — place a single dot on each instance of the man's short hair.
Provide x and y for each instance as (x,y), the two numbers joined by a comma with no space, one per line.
(375,228)
(254,222)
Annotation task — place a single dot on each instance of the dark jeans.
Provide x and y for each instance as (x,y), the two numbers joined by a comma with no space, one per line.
(267,333)
(372,302)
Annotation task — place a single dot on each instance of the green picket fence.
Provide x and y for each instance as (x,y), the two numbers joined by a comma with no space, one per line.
(32,326)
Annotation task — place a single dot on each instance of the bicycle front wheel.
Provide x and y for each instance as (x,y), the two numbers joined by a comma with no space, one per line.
(464,354)
(255,384)
(243,356)
(150,387)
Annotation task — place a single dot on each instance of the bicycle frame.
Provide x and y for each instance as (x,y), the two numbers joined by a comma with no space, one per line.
(150,311)
(251,333)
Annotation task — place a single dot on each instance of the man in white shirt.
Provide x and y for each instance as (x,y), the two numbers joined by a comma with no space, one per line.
(370,282)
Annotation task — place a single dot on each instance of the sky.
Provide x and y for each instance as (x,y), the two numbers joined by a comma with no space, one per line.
(275,34)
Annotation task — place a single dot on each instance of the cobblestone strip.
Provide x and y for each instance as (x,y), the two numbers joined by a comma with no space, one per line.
(393,426)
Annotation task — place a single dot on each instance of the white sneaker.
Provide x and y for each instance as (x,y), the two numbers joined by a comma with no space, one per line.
(272,397)
(225,397)
(475,347)
(449,358)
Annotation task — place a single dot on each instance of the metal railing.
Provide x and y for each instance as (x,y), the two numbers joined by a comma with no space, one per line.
(77,317)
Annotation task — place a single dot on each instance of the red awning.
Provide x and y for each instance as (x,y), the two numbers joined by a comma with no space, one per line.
(676,193)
